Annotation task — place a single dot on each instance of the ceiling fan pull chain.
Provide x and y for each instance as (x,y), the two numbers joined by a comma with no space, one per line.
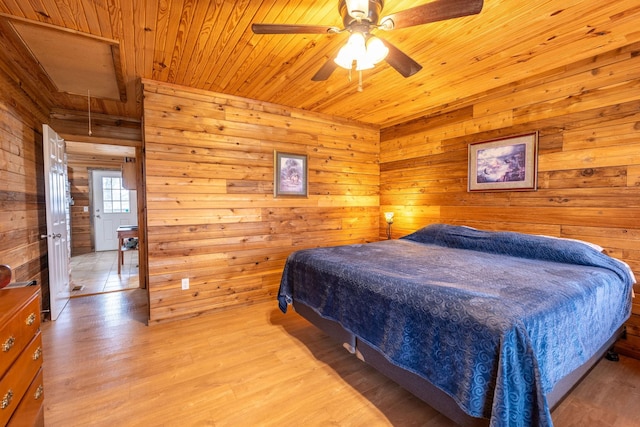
(89,109)
(360,81)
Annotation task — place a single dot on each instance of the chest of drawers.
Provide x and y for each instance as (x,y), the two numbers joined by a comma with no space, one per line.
(21,391)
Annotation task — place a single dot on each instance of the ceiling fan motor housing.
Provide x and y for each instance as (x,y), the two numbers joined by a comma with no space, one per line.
(371,18)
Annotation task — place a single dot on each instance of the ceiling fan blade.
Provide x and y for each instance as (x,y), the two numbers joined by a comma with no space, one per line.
(438,10)
(325,71)
(401,61)
(292,29)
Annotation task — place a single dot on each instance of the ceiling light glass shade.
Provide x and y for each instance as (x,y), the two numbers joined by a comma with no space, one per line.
(376,50)
(345,58)
(364,64)
(358,9)
(354,50)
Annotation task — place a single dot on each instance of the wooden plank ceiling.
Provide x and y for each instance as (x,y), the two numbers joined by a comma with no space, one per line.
(209,45)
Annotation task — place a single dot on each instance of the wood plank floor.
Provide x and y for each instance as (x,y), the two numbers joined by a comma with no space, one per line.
(250,367)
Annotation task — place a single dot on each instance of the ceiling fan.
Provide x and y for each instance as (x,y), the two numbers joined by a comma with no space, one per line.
(360,18)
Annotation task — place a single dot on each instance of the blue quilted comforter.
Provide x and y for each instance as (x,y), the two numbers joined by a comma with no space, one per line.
(494,319)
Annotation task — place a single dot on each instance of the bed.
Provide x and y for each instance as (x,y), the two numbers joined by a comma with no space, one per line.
(489,328)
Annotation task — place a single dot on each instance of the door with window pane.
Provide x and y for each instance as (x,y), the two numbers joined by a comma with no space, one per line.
(113,206)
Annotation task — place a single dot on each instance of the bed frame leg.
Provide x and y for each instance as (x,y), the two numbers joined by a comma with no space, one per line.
(612,355)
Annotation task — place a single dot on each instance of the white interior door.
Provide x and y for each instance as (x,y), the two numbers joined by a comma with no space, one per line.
(113,206)
(57,207)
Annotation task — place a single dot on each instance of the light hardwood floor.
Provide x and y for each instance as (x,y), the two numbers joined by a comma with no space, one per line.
(250,367)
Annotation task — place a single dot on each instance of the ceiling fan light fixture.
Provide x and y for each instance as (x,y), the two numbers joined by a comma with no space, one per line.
(344,58)
(357,9)
(376,50)
(354,50)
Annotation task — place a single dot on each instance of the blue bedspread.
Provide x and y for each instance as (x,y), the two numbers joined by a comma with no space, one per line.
(494,319)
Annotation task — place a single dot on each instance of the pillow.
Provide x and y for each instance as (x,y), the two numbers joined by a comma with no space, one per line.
(532,246)
(591,245)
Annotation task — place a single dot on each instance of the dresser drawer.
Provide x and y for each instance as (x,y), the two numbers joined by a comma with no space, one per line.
(16,333)
(17,380)
(30,411)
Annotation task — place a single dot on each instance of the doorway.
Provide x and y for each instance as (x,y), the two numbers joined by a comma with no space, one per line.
(110,206)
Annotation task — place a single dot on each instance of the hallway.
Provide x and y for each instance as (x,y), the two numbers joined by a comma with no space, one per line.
(97,272)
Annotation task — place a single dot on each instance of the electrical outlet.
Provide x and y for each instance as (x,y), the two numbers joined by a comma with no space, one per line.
(185,283)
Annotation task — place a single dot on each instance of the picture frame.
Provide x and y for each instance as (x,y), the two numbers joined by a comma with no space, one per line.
(504,164)
(291,175)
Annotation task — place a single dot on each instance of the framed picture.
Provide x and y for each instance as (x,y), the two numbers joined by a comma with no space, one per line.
(290,175)
(506,164)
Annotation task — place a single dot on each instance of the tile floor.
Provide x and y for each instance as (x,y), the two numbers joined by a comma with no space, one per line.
(97,272)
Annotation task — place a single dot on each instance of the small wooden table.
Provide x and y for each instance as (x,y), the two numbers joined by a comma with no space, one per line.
(124,232)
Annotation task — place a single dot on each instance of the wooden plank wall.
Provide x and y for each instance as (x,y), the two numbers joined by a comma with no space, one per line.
(211,213)
(588,116)
(22,205)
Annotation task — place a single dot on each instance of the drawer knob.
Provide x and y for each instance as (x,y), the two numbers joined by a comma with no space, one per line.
(39,392)
(8,344)
(31,319)
(37,354)
(6,399)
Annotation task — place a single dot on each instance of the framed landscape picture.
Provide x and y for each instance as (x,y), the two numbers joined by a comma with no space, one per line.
(290,175)
(506,164)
